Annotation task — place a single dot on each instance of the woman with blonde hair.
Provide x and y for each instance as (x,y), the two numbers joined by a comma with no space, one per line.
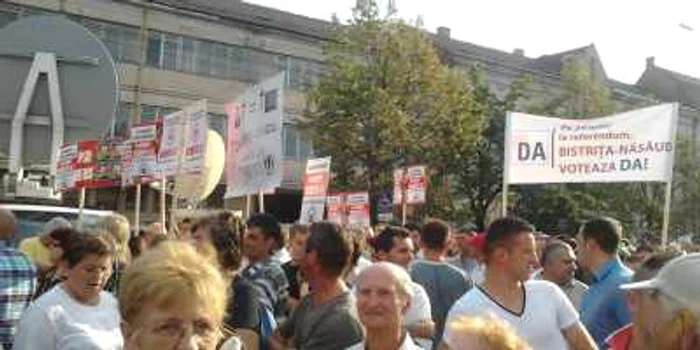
(172,298)
(117,228)
(481,333)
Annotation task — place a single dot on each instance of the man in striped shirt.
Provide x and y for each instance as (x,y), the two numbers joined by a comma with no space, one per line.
(17,281)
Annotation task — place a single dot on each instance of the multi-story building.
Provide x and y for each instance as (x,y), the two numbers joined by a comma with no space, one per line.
(170,53)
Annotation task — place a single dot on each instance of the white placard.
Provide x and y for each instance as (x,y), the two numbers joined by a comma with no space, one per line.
(316,179)
(257,165)
(172,143)
(635,146)
(195,138)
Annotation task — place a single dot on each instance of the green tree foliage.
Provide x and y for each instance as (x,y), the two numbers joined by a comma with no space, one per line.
(479,178)
(385,100)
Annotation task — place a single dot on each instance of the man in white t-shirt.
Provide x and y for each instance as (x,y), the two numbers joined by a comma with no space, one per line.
(538,310)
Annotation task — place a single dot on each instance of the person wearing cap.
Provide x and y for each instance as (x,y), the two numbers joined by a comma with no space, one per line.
(39,248)
(538,310)
(668,307)
(603,307)
(469,258)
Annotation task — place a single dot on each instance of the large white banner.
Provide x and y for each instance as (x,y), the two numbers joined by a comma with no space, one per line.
(313,204)
(257,164)
(635,146)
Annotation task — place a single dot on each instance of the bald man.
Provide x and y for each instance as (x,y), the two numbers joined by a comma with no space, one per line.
(17,281)
(559,266)
(384,291)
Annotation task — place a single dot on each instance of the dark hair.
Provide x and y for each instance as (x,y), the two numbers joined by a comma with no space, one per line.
(298,229)
(83,244)
(605,231)
(412,226)
(653,263)
(502,230)
(332,245)
(63,236)
(225,231)
(269,226)
(384,242)
(435,234)
(551,247)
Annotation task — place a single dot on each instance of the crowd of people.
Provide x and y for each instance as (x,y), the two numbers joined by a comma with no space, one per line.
(221,282)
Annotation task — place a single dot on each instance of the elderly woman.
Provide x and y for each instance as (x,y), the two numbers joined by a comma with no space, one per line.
(77,313)
(116,226)
(172,298)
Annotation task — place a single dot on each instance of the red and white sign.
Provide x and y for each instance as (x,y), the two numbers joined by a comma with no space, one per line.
(126,155)
(195,138)
(316,179)
(144,162)
(172,143)
(336,208)
(65,169)
(85,162)
(399,183)
(233,112)
(416,184)
(358,208)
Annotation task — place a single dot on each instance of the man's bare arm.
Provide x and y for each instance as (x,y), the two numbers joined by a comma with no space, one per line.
(578,337)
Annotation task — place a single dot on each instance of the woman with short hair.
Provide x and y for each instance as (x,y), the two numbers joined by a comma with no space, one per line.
(172,298)
(116,226)
(77,313)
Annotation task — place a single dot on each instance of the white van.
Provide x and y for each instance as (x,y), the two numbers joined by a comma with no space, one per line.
(31,218)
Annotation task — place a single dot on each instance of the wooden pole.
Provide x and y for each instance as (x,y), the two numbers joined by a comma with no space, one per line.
(504,199)
(261,201)
(137,208)
(163,205)
(247,206)
(667,214)
(81,206)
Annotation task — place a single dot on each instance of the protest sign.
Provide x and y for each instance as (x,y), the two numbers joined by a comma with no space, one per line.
(315,186)
(416,184)
(65,169)
(358,208)
(108,168)
(398,186)
(85,162)
(233,114)
(336,208)
(195,139)
(126,154)
(257,165)
(144,161)
(172,143)
(633,146)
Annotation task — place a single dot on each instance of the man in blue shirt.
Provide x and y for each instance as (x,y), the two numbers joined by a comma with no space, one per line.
(603,307)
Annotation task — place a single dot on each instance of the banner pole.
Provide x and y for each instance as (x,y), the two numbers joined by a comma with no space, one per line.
(247,206)
(137,208)
(506,165)
(667,214)
(504,199)
(163,209)
(81,206)
(261,201)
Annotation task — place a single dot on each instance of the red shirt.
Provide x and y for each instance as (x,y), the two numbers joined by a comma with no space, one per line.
(621,339)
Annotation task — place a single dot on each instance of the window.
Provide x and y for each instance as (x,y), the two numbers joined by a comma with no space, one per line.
(186,57)
(6,17)
(203,57)
(219,60)
(154,49)
(289,135)
(171,46)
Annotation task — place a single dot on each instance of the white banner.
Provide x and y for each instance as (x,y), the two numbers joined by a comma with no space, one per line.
(257,166)
(316,179)
(65,172)
(195,138)
(172,143)
(417,184)
(635,146)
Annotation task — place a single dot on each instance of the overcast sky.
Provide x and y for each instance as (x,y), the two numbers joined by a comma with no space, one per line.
(625,32)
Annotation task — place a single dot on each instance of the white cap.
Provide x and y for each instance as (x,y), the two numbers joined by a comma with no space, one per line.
(679,279)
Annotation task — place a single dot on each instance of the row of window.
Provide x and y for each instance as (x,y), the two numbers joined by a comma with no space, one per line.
(185,54)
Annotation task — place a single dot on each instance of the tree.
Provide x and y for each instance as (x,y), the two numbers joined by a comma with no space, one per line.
(480,177)
(385,100)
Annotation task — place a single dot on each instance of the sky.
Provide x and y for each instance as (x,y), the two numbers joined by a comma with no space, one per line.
(625,32)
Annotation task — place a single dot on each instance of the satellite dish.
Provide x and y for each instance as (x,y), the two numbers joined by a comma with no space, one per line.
(60,85)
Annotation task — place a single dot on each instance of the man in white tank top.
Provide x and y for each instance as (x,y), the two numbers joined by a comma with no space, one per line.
(539,311)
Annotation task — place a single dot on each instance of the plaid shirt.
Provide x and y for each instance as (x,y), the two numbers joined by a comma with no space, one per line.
(269,278)
(17,284)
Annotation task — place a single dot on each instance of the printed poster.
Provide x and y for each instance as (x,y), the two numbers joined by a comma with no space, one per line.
(316,179)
